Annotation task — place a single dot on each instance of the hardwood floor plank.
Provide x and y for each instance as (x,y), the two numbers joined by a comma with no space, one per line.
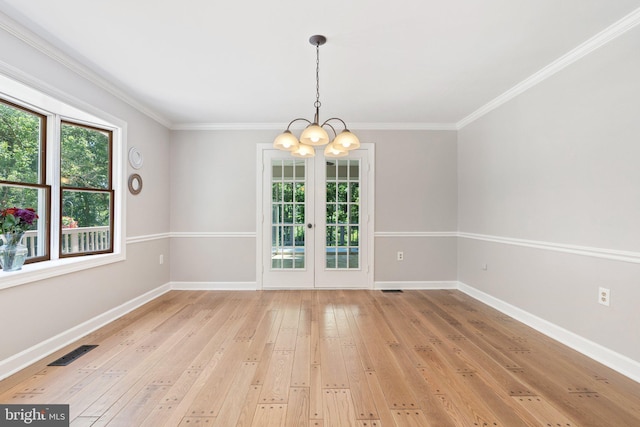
(414,418)
(388,372)
(363,401)
(338,407)
(385,413)
(544,413)
(197,422)
(278,378)
(235,398)
(210,398)
(249,407)
(262,332)
(359,341)
(270,416)
(301,371)
(263,364)
(83,422)
(334,373)
(135,410)
(315,393)
(298,407)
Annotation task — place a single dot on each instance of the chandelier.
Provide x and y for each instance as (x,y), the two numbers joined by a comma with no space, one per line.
(314,134)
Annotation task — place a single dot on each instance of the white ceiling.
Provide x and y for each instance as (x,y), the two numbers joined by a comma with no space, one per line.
(250,62)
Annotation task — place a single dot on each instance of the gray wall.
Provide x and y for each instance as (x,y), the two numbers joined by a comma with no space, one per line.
(415,192)
(559,165)
(34,312)
(416,200)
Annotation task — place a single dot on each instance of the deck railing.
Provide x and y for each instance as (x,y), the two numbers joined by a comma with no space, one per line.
(74,240)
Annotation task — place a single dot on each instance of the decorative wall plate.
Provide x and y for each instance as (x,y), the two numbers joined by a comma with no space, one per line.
(135,183)
(135,158)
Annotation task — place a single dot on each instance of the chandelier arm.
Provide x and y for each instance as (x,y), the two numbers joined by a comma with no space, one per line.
(332,128)
(295,120)
(326,122)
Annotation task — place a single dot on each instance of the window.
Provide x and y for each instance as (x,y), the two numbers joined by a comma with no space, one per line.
(22,172)
(86,194)
(66,164)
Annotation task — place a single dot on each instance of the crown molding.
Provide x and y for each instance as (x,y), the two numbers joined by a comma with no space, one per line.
(229,126)
(610,33)
(37,42)
(404,126)
(281,126)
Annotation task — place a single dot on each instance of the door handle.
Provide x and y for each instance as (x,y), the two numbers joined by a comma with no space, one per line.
(309,225)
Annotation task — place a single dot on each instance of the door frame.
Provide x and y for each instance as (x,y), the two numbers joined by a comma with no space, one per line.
(367,223)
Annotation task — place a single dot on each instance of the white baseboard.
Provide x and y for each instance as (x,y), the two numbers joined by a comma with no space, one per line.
(214,286)
(416,285)
(616,361)
(31,355)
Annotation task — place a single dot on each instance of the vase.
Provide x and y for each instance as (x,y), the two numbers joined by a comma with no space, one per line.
(13,253)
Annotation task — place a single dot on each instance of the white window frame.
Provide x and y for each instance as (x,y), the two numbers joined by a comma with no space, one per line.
(58,106)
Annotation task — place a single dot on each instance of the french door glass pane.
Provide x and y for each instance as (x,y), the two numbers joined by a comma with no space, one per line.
(342,214)
(288,214)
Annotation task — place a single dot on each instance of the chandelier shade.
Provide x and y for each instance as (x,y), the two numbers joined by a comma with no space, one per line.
(347,140)
(286,141)
(304,150)
(315,134)
(334,150)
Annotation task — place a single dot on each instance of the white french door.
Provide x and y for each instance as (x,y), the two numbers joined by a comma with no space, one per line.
(315,227)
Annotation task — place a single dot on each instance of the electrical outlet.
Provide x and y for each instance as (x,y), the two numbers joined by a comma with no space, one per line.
(400,256)
(604,296)
(484,267)
(161,259)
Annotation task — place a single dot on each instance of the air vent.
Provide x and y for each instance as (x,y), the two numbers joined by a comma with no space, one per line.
(70,357)
(392,291)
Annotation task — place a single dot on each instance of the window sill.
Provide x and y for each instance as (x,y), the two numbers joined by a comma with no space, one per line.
(48,269)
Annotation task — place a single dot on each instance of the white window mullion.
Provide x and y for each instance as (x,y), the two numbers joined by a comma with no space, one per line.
(53,179)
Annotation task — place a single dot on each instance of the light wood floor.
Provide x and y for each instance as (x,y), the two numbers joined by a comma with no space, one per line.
(326,359)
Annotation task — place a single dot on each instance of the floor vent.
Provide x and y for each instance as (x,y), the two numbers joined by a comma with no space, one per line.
(70,357)
(392,291)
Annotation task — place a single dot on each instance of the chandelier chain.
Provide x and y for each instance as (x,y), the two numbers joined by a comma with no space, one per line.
(317,103)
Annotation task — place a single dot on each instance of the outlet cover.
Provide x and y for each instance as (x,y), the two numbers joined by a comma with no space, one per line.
(604,296)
